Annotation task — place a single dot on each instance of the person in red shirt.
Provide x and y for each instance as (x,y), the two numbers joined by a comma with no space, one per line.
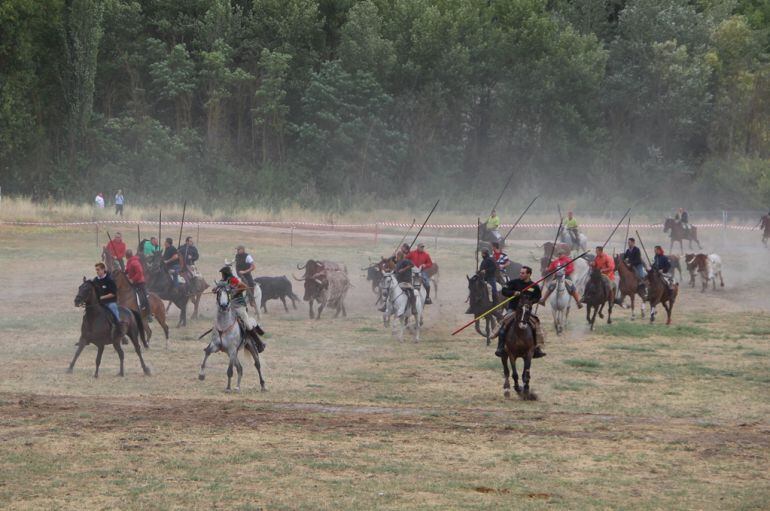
(421,259)
(117,249)
(561,260)
(605,264)
(135,275)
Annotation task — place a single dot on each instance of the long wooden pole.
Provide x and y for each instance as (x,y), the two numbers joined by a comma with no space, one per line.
(181,226)
(414,221)
(639,237)
(519,219)
(160,221)
(616,227)
(423,224)
(512,297)
(503,190)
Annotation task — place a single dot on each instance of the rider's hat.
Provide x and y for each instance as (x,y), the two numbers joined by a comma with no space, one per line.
(226,270)
(240,247)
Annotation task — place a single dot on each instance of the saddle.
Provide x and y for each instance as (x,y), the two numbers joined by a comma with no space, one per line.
(410,295)
(192,271)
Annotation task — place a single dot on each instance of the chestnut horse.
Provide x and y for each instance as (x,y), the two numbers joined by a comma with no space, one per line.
(127,298)
(629,284)
(679,233)
(658,292)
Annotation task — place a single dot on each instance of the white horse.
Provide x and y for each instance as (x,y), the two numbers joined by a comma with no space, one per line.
(580,274)
(560,301)
(397,304)
(226,335)
(582,240)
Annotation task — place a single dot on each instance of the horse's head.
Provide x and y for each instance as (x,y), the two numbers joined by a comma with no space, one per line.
(668,224)
(86,294)
(223,298)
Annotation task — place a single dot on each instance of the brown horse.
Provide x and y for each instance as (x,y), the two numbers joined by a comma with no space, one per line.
(658,292)
(127,298)
(679,233)
(598,293)
(519,343)
(96,328)
(629,284)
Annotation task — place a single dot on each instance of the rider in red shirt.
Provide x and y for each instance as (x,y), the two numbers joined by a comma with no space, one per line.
(568,270)
(421,259)
(135,275)
(116,247)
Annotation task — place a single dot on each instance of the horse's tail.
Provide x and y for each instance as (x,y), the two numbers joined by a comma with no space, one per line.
(140,324)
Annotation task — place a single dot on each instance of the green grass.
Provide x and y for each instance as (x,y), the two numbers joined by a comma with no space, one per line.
(642,330)
(631,347)
(582,363)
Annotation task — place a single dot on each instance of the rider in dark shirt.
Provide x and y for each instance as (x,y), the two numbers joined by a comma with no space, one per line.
(521,288)
(171,260)
(488,271)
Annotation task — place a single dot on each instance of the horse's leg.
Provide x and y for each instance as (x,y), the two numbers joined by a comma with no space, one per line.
(633,300)
(283,300)
(229,373)
(239,367)
(312,314)
(593,317)
(610,304)
(668,308)
(652,313)
(506,377)
(516,386)
(208,350)
(121,356)
(344,312)
(721,282)
(600,310)
(99,347)
(145,367)
(525,373)
(255,355)
(78,351)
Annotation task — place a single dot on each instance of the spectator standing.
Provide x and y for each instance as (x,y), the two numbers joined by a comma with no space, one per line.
(119,202)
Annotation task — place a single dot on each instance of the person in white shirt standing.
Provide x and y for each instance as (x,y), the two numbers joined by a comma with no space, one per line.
(99,200)
(119,203)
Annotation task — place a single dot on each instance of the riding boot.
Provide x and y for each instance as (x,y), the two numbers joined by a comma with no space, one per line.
(259,342)
(539,353)
(428,301)
(579,301)
(500,352)
(123,330)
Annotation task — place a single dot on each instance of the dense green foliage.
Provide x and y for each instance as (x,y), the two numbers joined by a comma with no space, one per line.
(335,103)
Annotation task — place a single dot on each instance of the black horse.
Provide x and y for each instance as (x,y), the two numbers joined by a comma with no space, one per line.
(598,293)
(160,283)
(519,343)
(97,328)
(479,301)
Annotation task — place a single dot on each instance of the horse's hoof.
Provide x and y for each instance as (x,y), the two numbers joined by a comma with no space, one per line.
(147,371)
(263,389)
(96,375)
(237,390)
(201,377)
(507,394)
(69,370)
(228,390)
(121,375)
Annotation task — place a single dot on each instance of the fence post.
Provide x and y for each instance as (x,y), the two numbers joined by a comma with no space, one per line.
(97,234)
(291,237)
(724,228)
(376,232)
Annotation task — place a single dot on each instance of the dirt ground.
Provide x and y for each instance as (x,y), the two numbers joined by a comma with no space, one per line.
(631,416)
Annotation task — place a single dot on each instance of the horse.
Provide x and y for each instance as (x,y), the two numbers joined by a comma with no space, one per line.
(397,303)
(160,282)
(596,295)
(480,301)
(227,335)
(560,302)
(658,292)
(96,328)
(519,343)
(679,233)
(486,238)
(127,298)
(629,284)
(579,244)
(196,286)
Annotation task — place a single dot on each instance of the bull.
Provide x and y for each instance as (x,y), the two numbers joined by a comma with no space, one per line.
(327,283)
(276,288)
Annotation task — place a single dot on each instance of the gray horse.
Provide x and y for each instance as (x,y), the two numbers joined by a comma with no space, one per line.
(96,328)
(228,336)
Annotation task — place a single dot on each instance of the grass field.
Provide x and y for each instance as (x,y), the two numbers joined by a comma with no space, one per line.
(631,416)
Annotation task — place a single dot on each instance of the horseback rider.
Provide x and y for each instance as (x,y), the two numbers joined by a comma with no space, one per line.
(572,229)
(605,264)
(403,271)
(117,249)
(521,288)
(235,289)
(405,248)
(662,265)
(135,276)
(493,226)
(488,271)
(568,270)
(150,246)
(764,223)
(422,261)
(188,255)
(683,219)
(107,291)
(633,257)
(501,258)
(171,261)
(244,265)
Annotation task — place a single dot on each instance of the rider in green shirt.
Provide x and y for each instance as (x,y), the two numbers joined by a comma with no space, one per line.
(150,246)
(493,225)
(572,228)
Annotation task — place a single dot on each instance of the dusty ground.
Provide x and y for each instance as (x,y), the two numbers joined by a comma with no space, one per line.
(630,416)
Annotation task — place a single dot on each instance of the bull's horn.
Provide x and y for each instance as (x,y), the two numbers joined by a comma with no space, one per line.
(300,267)
(295,278)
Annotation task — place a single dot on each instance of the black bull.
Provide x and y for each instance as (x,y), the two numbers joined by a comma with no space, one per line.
(276,288)
(315,281)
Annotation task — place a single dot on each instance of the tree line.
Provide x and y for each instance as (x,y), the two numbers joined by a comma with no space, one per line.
(348,103)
